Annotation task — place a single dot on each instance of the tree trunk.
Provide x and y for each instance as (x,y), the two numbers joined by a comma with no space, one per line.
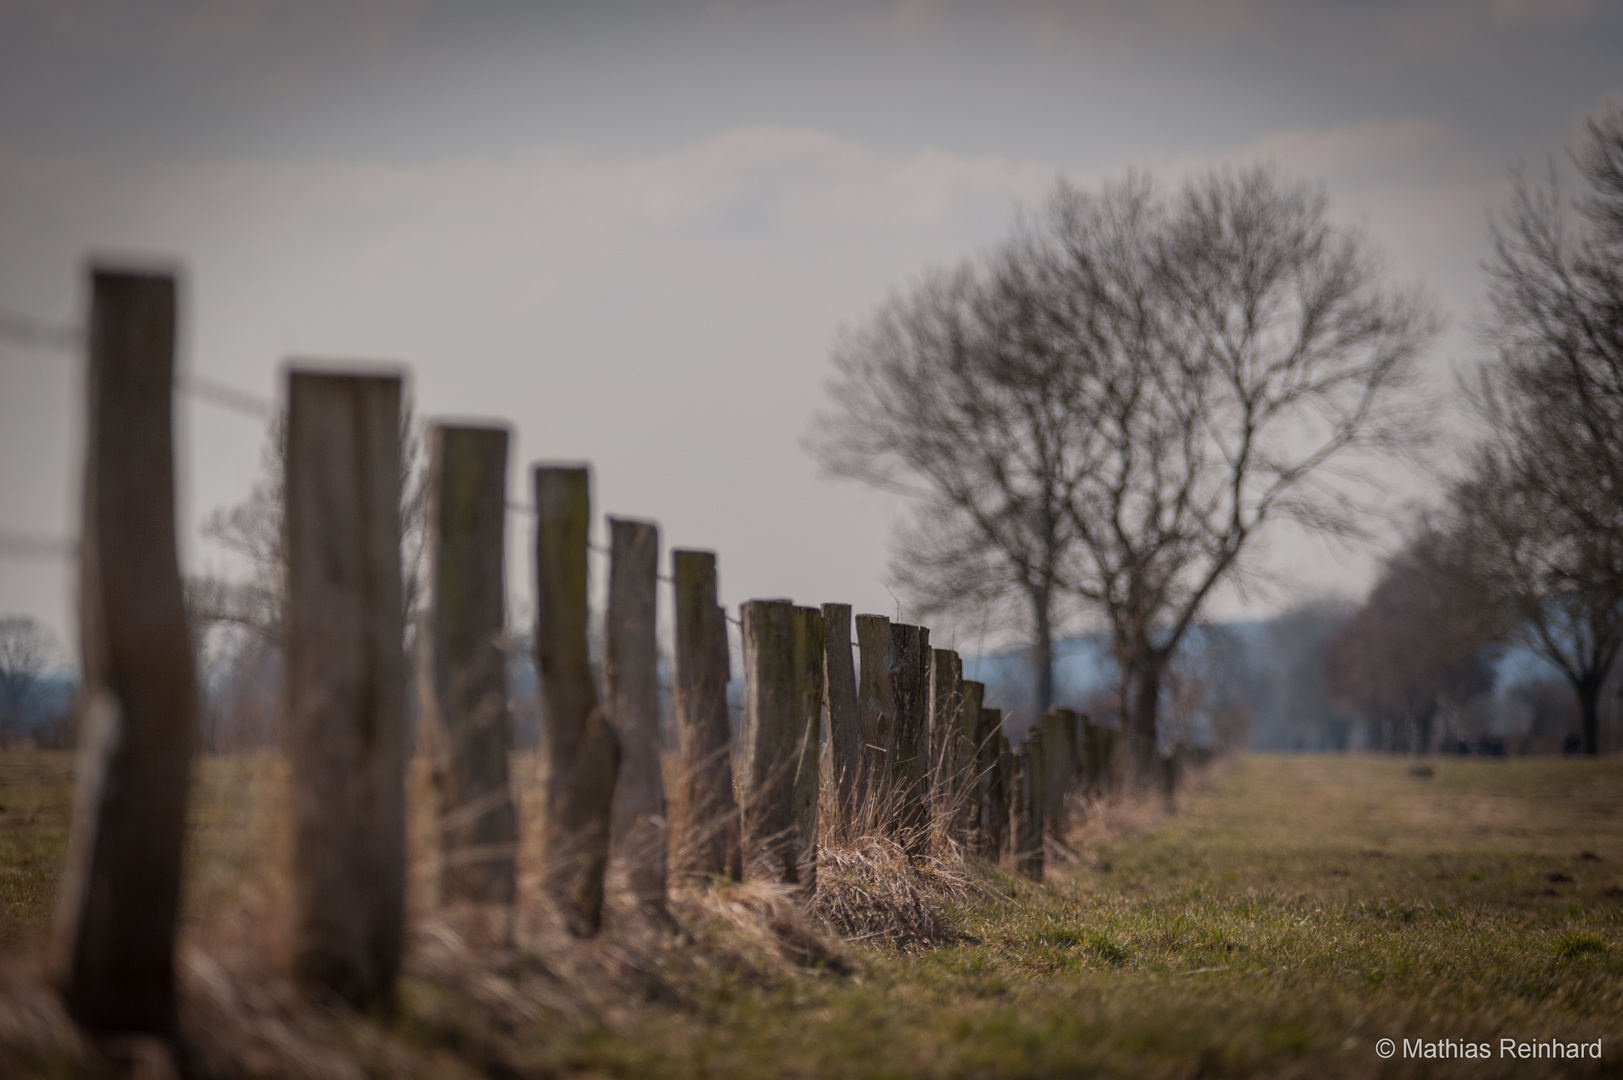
(1142,704)
(1589,713)
(1042,648)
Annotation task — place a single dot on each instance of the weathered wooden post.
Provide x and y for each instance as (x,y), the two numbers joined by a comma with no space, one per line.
(990,799)
(705,840)
(809,651)
(910,695)
(769,742)
(463,675)
(841,712)
(965,781)
(1028,807)
(1059,763)
(1028,820)
(582,754)
(138,704)
(346,681)
(631,693)
(876,701)
(1003,796)
(946,673)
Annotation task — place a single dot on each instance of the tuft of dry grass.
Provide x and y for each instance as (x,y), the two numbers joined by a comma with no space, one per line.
(870,890)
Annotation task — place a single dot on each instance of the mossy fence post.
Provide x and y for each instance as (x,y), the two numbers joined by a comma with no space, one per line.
(138,704)
(582,754)
(910,697)
(841,711)
(704,837)
(807,666)
(346,681)
(767,743)
(946,677)
(631,692)
(466,730)
(876,701)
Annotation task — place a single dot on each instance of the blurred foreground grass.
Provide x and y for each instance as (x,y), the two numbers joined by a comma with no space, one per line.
(1294,911)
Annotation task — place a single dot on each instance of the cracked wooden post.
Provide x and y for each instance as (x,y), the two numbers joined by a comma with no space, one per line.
(1003,798)
(946,673)
(138,704)
(346,681)
(965,778)
(841,712)
(1028,808)
(704,838)
(877,706)
(910,692)
(988,786)
(808,643)
(582,754)
(768,742)
(631,706)
(466,728)
(1060,765)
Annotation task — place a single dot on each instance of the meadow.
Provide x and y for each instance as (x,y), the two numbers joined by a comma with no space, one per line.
(1284,917)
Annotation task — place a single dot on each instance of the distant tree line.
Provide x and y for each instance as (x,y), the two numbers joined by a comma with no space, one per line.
(1526,548)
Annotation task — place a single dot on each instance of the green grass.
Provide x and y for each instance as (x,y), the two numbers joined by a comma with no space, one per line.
(1295,911)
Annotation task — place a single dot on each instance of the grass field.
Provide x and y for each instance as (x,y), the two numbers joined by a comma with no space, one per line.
(1292,913)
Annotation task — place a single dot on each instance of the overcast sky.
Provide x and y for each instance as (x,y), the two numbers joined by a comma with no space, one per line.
(633,231)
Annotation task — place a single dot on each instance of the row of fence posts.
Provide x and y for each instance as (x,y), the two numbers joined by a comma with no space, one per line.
(905,732)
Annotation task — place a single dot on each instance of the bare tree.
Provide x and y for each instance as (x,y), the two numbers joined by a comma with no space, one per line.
(1111,406)
(26,650)
(1423,642)
(959,394)
(1543,493)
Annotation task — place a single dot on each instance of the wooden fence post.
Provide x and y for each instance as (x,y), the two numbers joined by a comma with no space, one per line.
(769,742)
(1003,796)
(1028,821)
(465,723)
(843,715)
(946,675)
(910,690)
(965,781)
(582,754)
(876,701)
(1059,762)
(138,704)
(704,841)
(808,668)
(988,784)
(346,681)
(631,692)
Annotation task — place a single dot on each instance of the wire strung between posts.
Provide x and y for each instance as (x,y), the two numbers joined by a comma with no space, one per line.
(37,334)
(26,546)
